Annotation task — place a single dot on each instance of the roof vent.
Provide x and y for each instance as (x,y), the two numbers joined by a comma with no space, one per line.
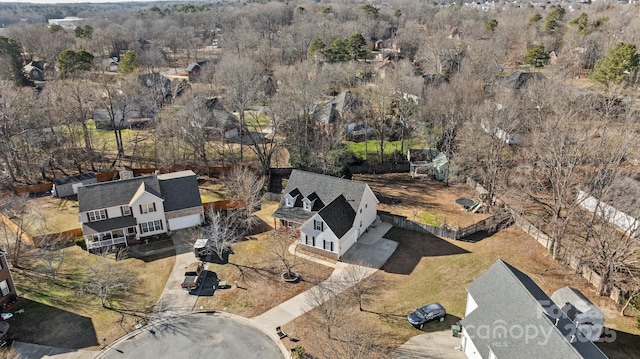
(573,339)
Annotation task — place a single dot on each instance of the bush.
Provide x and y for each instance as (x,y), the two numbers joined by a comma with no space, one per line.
(638,321)
(80,242)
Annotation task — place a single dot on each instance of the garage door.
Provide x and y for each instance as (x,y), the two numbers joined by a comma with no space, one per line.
(184,222)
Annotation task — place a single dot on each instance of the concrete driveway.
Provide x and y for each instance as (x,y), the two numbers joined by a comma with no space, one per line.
(198,335)
(174,300)
(435,345)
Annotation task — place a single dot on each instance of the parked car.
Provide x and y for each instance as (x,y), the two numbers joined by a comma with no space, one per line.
(192,276)
(200,248)
(426,314)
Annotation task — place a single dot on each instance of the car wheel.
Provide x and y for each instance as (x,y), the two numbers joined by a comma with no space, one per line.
(441,319)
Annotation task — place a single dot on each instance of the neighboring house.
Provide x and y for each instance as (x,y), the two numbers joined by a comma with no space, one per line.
(329,213)
(68,186)
(221,123)
(34,71)
(618,206)
(111,64)
(69,22)
(194,69)
(497,132)
(117,212)
(588,317)
(509,317)
(336,110)
(7,287)
(427,162)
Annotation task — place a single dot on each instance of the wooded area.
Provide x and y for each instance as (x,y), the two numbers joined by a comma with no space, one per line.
(534,101)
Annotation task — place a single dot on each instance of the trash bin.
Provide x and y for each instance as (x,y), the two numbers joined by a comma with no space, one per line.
(456,330)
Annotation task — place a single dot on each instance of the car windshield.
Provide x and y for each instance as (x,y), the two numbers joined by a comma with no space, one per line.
(420,312)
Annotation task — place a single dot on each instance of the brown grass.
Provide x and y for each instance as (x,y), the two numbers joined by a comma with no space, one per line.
(59,314)
(426,269)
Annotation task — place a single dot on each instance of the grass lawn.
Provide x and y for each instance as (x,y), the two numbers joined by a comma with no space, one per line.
(59,314)
(212,190)
(371,148)
(258,271)
(427,269)
(52,215)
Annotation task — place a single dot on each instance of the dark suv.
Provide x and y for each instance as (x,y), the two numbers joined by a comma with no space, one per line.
(426,314)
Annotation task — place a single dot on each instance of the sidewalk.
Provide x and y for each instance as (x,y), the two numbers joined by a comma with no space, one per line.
(371,250)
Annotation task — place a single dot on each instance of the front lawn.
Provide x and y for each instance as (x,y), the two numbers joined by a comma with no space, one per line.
(60,314)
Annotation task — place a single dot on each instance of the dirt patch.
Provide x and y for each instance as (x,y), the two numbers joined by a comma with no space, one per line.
(422,200)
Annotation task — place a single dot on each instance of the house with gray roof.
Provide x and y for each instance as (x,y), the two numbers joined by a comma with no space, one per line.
(118,212)
(68,186)
(509,316)
(328,214)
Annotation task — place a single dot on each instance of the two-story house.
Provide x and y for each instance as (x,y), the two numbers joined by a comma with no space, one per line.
(328,213)
(7,288)
(117,212)
(509,316)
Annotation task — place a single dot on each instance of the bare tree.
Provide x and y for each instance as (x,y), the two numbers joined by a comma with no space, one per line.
(52,255)
(362,283)
(280,243)
(24,217)
(244,185)
(328,304)
(223,231)
(241,79)
(107,279)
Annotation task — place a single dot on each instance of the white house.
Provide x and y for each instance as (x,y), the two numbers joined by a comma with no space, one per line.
(328,213)
(509,317)
(116,212)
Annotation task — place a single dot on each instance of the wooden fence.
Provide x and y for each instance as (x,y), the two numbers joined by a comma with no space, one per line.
(224,205)
(14,228)
(490,225)
(64,236)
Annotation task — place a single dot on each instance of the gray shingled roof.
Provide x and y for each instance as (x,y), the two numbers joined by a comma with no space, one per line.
(327,189)
(74,179)
(113,193)
(108,225)
(179,190)
(508,298)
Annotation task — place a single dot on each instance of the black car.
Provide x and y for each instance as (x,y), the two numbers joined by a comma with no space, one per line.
(426,314)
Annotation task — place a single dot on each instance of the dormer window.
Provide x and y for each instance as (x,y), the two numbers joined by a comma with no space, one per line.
(289,201)
(307,204)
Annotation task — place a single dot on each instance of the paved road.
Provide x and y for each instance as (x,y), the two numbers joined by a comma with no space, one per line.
(197,335)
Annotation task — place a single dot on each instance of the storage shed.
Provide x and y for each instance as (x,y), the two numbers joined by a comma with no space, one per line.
(586,316)
(68,186)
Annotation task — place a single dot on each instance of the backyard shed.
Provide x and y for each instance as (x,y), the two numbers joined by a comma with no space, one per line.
(586,316)
(68,186)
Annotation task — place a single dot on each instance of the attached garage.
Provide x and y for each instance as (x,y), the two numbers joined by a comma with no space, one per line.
(191,220)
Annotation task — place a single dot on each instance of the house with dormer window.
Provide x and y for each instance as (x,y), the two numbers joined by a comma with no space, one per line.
(118,212)
(328,214)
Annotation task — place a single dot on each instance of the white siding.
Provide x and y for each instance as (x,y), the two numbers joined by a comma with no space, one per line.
(307,229)
(471,305)
(470,349)
(147,198)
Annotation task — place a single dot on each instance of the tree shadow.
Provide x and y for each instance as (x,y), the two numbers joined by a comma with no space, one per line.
(46,325)
(476,237)
(413,246)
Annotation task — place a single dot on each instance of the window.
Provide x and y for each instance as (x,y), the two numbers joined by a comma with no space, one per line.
(151,226)
(360,223)
(318,225)
(147,208)
(306,204)
(126,211)
(310,241)
(289,200)
(360,210)
(98,215)
(327,245)
(4,288)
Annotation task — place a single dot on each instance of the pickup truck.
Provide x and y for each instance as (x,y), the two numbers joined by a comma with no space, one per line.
(193,275)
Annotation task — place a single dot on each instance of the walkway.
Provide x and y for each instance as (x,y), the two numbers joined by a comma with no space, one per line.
(364,258)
